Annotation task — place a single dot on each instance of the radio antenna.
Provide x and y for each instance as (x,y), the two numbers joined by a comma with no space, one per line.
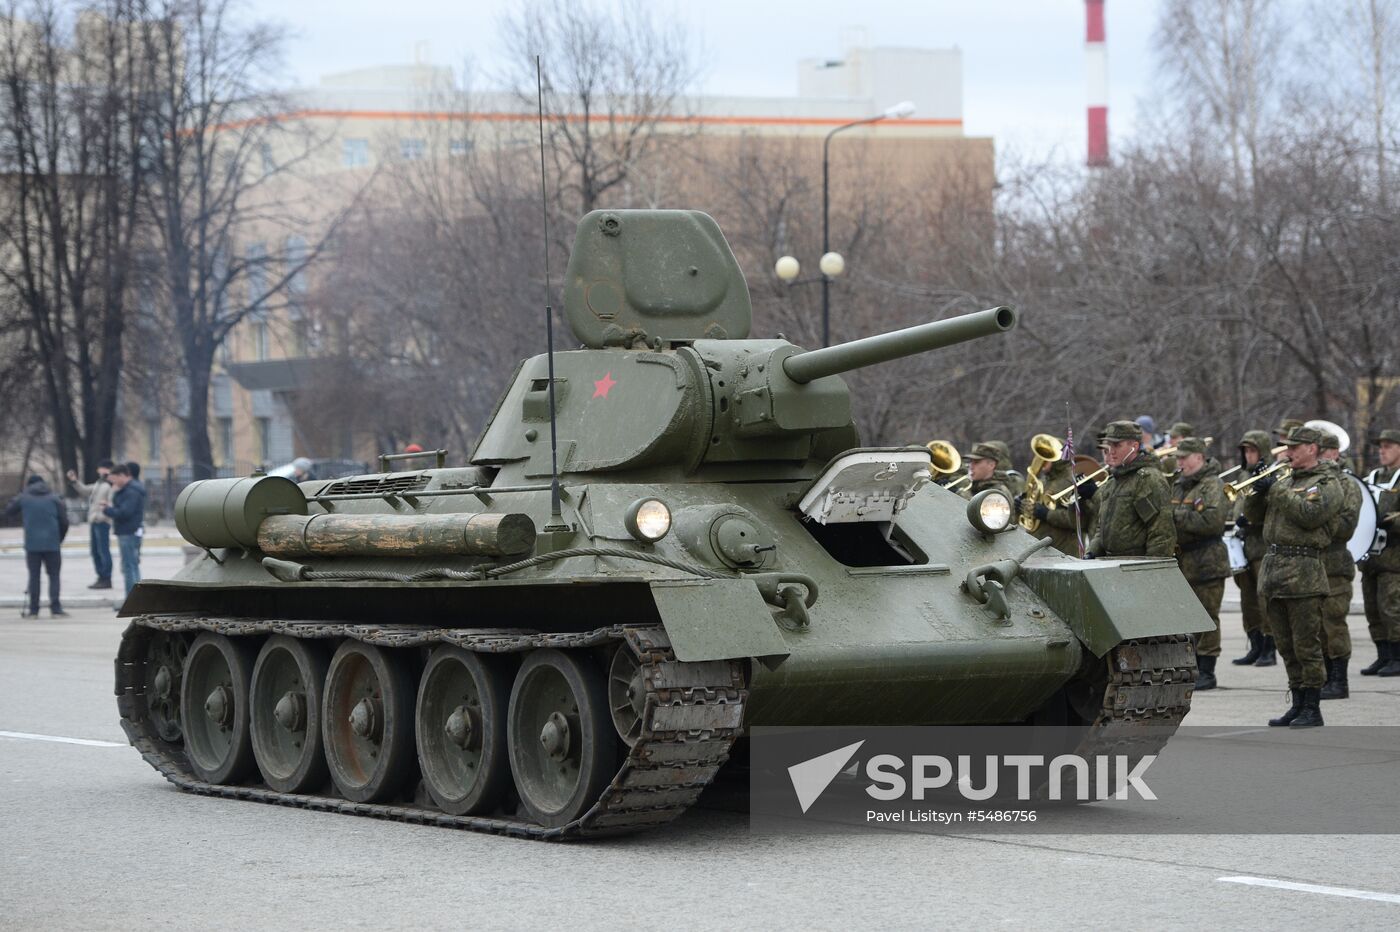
(555,510)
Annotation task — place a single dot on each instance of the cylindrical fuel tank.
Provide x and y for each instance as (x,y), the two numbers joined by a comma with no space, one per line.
(227,512)
(485,535)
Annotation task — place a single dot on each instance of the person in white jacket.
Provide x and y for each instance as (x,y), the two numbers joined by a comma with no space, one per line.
(99,495)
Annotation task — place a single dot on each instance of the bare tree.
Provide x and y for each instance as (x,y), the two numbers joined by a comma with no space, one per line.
(218,152)
(73,113)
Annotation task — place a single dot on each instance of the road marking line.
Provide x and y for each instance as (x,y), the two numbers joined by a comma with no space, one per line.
(86,742)
(1236,734)
(1314,888)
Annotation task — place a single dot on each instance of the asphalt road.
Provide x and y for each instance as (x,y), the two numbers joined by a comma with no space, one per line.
(93,838)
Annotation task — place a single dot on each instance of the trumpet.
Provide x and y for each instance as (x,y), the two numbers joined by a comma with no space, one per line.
(1044,449)
(1062,496)
(1233,490)
(946,458)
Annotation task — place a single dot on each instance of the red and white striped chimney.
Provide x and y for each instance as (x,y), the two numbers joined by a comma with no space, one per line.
(1096,63)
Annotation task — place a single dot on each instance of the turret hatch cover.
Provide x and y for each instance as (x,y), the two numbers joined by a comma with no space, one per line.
(866,485)
(654,274)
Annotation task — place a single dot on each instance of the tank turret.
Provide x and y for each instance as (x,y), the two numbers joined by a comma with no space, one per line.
(667,376)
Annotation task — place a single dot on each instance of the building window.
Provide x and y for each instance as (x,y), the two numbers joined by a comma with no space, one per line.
(268,164)
(294,255)
(226,441)
(354,153)
(264,439)
(260,341)
(459,147)
(153,441)
(226,349)
(255,260)
(301,333)
(411,150)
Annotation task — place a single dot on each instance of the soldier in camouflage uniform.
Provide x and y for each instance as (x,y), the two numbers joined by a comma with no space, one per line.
(1175,434)
(1254,458)
(982,467)
(1341,570)
(1198,508)
(1133,513)
(1301,509)
(1380,573)
(1006,470)
(1060,524)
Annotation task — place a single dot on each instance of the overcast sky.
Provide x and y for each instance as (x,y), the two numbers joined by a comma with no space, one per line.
(1023,60)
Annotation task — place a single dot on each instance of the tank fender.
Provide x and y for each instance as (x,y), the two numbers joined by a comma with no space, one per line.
(718,619)
(1106,602)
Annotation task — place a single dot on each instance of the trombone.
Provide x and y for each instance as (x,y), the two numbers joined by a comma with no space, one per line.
(1062,496)
(958,482)
(1169,450)
(1234,469)
(1233,490)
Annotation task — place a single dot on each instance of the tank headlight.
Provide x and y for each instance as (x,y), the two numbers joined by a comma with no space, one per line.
(990,512)
(648,520)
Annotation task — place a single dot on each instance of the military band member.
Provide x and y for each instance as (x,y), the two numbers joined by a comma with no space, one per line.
(1341,570)
(1293,579)
(1060,524)
(1175,434)
(1198,509)
(982,467)
(1133,515)
(1380,573)
(1006,470)
(1254,453)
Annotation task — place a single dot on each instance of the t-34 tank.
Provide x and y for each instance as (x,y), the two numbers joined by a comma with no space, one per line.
(444,645)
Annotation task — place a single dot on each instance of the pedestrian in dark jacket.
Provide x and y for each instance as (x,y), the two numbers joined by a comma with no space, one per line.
(45,526)
(128,514)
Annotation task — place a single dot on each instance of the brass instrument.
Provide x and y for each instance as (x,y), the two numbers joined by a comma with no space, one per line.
(946,458)
(1062,496)
(1044,449)
(1343,439)
(1169,450)
(1274,453)
(958,482)
(1233,490)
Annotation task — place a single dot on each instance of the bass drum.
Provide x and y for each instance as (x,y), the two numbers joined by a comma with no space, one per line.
(1234,546)
(1360,544)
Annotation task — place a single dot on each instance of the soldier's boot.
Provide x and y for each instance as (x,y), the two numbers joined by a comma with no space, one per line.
(1205,672)
(1393,667)
(1310,715)
(1268,654)
(1336,685)
(1382,658)
(1293,710)
(1256,644)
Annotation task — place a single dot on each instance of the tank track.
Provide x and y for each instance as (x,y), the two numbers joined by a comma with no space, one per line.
(1149,690)
(692,715)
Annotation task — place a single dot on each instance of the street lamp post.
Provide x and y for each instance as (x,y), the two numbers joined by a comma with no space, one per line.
(898,112)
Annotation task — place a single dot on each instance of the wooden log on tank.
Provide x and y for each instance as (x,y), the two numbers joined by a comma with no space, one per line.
(467,535)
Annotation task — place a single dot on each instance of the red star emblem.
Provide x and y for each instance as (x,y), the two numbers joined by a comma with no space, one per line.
(603,386)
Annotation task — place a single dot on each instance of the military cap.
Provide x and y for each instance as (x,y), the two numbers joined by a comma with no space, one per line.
(1286,425)
(1181,429)
(1329,441)
(1121,430)
(981,451)
(1003,451)
(1389,436)
(1303,434)
(1190,445)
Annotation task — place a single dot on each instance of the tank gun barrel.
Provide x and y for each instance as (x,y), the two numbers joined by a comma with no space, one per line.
(884,347)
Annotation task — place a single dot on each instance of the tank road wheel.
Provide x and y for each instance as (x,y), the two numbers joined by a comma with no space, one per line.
(287,684)
(214,708)
(562,743)
(368,730)
(461,729)
(626,694)
(165,671)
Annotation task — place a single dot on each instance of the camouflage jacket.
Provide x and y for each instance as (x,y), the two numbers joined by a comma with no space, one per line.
(1253,534)
(1199,508)
(1059,525)
(1134,512)
(997,482)
(1297,515)
(1387,506)
(1338,559)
